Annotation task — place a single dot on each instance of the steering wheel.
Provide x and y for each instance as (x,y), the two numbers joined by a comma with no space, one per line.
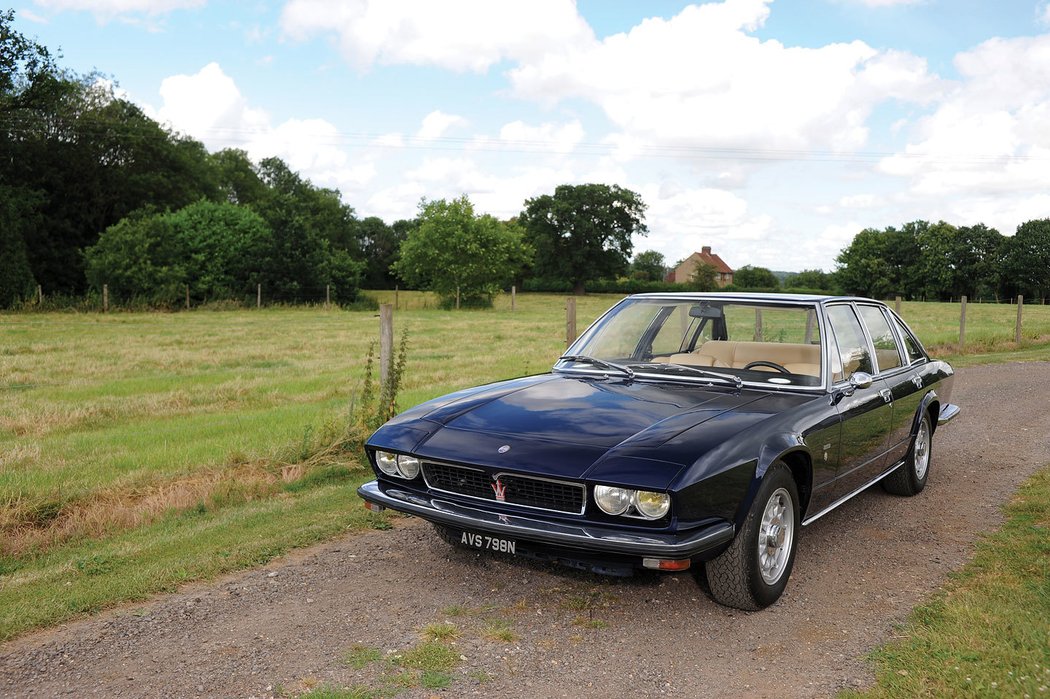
(771,365)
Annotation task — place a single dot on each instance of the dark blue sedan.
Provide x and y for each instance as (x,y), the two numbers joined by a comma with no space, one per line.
(679,431)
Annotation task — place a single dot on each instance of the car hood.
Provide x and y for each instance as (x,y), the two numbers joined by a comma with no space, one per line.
(578,427)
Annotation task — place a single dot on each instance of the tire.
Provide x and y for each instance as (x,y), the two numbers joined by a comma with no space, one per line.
(911,477)
(448,536)
(753,572)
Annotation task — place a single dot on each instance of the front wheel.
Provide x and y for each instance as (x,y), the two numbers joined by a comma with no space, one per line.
(753,572)
(910,478)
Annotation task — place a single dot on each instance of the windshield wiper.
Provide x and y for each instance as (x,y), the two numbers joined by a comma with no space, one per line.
(601,363)
(736,380)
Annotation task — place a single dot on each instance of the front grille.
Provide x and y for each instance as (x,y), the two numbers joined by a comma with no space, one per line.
(528,491)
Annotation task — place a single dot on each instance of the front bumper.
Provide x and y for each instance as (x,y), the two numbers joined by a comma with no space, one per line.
(588,539)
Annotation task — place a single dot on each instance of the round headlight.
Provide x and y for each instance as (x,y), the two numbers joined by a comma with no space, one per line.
(408,466)
(652,505)
(611,500)
(387,462)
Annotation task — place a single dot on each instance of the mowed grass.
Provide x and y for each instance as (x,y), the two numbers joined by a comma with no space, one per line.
(135,448)
(138,451)
(987,633)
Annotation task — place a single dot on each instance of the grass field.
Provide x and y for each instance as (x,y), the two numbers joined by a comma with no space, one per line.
(138,451)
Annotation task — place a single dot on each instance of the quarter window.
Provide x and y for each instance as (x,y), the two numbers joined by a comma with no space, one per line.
(911,345)
(853,354)
(887,354)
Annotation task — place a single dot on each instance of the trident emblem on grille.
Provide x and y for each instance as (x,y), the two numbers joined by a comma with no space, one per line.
(500,489)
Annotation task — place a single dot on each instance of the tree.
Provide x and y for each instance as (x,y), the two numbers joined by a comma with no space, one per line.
(883,263)
(748,277)
(648,266)
(380,245)
(1027,259)
(583,232)
(809,279)
(459,255)
(214,248)
(704,277)
(979,258)
(16,278)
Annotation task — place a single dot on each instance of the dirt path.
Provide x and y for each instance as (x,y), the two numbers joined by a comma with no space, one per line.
(287,626)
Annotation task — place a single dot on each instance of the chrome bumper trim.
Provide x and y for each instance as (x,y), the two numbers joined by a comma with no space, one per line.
(587,538)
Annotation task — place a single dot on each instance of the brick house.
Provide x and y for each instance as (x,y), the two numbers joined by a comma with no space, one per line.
(681,273)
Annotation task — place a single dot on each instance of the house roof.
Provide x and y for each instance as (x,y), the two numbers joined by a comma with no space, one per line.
(712,259)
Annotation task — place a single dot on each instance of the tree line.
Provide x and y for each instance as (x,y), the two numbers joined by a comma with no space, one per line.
(93,192)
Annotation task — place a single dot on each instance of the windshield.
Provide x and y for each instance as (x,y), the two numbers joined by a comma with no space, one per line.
(757,342)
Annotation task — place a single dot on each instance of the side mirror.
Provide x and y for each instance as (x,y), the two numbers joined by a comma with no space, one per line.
(860,379)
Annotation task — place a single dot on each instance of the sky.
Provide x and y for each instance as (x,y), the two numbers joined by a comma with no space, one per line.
(771,130)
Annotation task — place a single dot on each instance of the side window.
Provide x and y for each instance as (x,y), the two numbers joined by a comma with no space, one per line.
(887,354)
(911,345)
(852,345)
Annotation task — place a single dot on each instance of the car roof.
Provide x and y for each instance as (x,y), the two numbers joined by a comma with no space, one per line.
(743,296)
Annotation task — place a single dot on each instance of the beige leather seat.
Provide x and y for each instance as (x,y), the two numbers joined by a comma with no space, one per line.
(795,357)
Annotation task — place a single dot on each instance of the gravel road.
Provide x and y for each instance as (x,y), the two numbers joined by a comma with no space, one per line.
(286,627)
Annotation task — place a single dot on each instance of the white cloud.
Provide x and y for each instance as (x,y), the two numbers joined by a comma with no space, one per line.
(859,201)
(437,123)
(700,80)
(546,138)
(464,35)
(499,192)
(984,151)
(209,106)
(1044,13)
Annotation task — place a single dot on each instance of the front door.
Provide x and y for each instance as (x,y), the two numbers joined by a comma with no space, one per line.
(866,411)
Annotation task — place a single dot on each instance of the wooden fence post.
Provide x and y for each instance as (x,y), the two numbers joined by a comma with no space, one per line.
(328,296)
(105,298)
(187,297)
(897,305)
(457,297)
(39,295)
(570,320)
(258,295)
(386,340)
(397,292)
(962,323)
(1017,330)
(513,297)
(758,325)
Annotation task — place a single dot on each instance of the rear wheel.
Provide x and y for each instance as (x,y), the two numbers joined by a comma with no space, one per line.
(910,478)
(753,572)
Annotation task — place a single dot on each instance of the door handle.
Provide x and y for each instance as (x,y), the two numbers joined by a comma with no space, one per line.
(917,380)
(887,395)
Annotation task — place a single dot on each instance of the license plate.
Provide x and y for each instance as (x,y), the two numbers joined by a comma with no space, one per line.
(488,543)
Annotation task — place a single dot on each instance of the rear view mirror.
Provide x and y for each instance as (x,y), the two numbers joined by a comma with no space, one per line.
(705,311)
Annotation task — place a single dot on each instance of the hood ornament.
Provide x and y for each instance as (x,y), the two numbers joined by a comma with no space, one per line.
(504,449)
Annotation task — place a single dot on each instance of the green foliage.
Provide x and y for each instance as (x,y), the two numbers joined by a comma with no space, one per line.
(748,277)
(16,278)
(809,279)
(703,278)
(603,286)
(648,266)
(458,254)
(583,232)
(1027,259)
(380,245)
(211,247)
(927,261)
